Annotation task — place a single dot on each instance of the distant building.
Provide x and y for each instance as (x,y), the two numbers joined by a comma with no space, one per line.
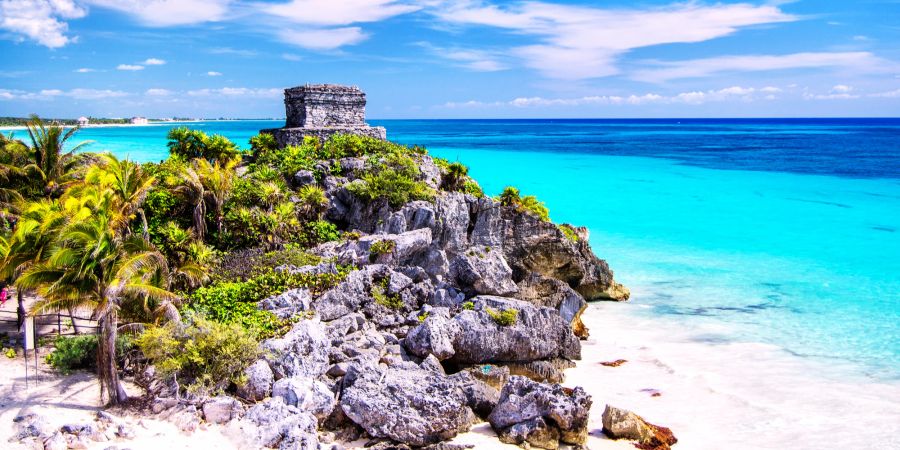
(139,121)
(82,121)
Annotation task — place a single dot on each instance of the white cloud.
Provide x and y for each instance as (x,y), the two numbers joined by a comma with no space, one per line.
(475,60)
(130,67)
(232,51)
(734,93)
(154,62)
(47,94)
(841,88)
(214,74)
(42,21)
(158,92)
(291,57)
(84,70)
(161,13)
(578,42)
(705,67)
(324,39)
(238,92)
(338,12)
(890,94)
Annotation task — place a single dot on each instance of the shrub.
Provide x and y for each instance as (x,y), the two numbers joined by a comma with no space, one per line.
(318,232)
(527,204)
(204,355)
(383,247)
(569,232)
(9,352)
(262,143)
(379,293)
(504,318)
(471,187)
(189,144)
(312,202)
(245,264)
(455,177)
(468,306)
(80,352)
(393,178)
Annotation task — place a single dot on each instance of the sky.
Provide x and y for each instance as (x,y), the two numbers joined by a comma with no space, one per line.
(453,59)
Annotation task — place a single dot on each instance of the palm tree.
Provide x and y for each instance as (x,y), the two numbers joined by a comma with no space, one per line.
(49,164)
(217,179)
(456,176)
(193,192)
(312,202)
(92,264)
(129,182)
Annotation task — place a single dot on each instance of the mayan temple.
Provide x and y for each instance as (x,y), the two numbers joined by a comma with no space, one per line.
(321,110)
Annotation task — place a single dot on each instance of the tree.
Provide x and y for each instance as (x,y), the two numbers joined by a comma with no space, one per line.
(192,144)
(217,180)
(128,181)
(49,165)
(456,177)
(92,263)
(193,192)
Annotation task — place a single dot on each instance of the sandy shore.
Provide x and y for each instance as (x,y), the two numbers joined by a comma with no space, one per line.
(713,393)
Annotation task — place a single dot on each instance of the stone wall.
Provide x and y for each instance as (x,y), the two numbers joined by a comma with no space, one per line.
(325,105)
(322,110)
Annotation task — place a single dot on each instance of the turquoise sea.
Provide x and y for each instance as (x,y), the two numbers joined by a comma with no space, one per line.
(783,232)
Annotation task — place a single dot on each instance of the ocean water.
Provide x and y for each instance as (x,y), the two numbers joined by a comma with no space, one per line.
(779,232)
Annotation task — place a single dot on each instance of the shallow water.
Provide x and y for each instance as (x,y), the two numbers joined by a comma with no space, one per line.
(778,232)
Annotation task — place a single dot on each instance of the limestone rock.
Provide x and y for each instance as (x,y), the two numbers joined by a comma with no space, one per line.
(537,334)
(222,409)
(553,293)
(483,270)
(405,403)
(481,397)
(306,394)
(288,303)
(304,178)
(541,414)
(277,425)
(259,379)
(623,424)
(303,351)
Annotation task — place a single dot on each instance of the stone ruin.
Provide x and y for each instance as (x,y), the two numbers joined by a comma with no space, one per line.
(322,110)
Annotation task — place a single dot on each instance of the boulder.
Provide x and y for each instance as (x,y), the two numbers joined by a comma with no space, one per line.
(56,442)
(258,384)
(304,178)
(474,337)
(481,397)
(483,270)
(303,351)
(275,424)
(623,424)
(288,303)
(306,394)
(550,292)
(222,409)
(404,403)
(541,414)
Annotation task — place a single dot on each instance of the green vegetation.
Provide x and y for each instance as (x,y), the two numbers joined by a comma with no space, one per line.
(504,318)
(9,352)
(527,204)
(190,144)
(80,352)
(569,232)
(394,178)
(204,355)
(383,247)
(379,293)
(468,306)
(23,121)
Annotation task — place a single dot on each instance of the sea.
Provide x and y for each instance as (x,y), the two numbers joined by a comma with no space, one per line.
(782,232)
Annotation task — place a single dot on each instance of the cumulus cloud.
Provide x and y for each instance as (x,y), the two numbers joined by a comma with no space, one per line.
(130,67)
(42,21)
(153,62)
(162,13)
(580,42)
(214,74)
(706,67)
(889,94)
(84,70)
(323,39)
(158,92)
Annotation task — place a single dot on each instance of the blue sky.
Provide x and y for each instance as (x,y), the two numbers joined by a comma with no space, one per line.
(455,59)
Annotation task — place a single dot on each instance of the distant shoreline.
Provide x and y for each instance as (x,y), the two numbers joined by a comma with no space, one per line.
(150,124)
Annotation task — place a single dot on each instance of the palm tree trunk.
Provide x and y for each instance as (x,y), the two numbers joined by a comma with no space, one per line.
(200,220)
(106,360)
(74,324)
(20,310)
(146,230)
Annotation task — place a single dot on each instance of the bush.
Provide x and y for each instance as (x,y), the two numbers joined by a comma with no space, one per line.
(383,247)
(379,293)
(527,204)
(189,144)
(245,264)
(203,355)
(468,306)
(504,318)
(569,232)
(393,178)
(471,187)
(80,352)
(318,232)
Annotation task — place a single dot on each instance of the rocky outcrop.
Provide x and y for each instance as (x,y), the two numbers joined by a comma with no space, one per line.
(274,424)
(475,337)
(541,415)
(306,394)
(405,403)
(623,424)
(258,381)
(222,409)
(303,351)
